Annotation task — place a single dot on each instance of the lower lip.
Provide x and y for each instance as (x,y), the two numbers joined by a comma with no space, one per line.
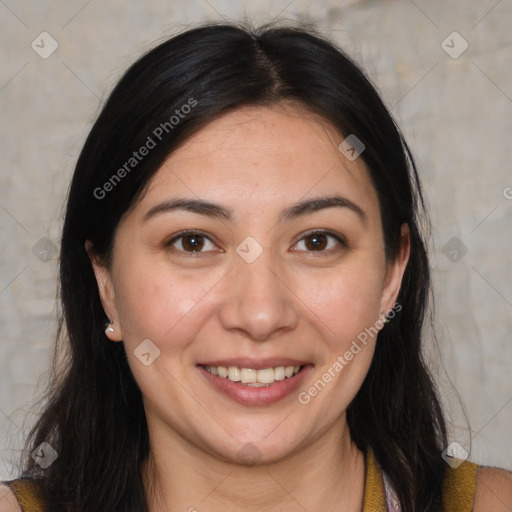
(256,396)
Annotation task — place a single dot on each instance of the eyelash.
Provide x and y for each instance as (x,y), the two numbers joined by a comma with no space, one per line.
(341,241)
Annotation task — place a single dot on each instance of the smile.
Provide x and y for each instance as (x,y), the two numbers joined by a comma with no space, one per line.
(255,387)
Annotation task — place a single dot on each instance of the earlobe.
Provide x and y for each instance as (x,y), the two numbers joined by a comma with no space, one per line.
(110,331)
(107,294)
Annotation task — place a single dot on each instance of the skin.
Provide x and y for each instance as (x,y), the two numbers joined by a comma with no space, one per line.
(291,301)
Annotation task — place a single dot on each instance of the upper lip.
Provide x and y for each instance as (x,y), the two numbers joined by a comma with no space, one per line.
(257,364)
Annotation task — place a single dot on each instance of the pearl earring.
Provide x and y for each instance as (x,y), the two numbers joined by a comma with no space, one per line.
(108,328)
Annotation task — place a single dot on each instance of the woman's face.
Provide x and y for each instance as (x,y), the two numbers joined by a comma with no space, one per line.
(283,265)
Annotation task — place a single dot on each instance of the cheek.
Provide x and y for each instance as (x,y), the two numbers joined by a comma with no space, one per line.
(346,300)
(155,303)
(346,307)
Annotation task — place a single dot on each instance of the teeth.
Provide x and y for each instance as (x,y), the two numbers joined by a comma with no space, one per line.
(248,375)
(252,377)
(279,373)
(266,376)
(234,374)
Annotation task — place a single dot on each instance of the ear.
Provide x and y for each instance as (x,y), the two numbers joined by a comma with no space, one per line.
(106,291)
(395,271)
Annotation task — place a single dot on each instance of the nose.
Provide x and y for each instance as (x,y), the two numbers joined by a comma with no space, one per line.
(259,302)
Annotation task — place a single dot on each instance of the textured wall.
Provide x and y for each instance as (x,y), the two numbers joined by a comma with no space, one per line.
(454,104)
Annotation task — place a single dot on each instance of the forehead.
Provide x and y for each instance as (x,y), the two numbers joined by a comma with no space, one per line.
(263,155)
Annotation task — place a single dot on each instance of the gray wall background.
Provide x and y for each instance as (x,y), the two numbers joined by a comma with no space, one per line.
(455,110)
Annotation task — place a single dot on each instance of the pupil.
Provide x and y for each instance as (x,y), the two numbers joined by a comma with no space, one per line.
(193,242)
(316,241)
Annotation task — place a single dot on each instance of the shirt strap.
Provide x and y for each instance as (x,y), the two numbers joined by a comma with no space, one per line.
(459,486)
(28,495)
(374,498)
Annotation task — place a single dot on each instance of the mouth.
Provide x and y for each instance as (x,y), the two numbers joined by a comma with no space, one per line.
(255,384)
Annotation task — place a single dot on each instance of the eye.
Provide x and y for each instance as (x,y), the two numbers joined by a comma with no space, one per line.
(190,242)
(318,241)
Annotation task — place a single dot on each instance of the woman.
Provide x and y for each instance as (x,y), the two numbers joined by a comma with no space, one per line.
(245,217)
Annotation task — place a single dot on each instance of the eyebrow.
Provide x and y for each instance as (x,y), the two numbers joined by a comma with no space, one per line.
(214,210)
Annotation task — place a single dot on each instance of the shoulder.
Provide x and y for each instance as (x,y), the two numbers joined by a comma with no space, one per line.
(493,491)
(8,501)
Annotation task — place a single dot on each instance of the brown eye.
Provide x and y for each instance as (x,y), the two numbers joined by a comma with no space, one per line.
(316,242)
(320,241)
(190,242)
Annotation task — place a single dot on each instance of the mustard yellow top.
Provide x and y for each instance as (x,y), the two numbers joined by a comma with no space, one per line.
(458,486)
(458,489)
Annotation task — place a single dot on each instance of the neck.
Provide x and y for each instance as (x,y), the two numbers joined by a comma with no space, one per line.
(326,475)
